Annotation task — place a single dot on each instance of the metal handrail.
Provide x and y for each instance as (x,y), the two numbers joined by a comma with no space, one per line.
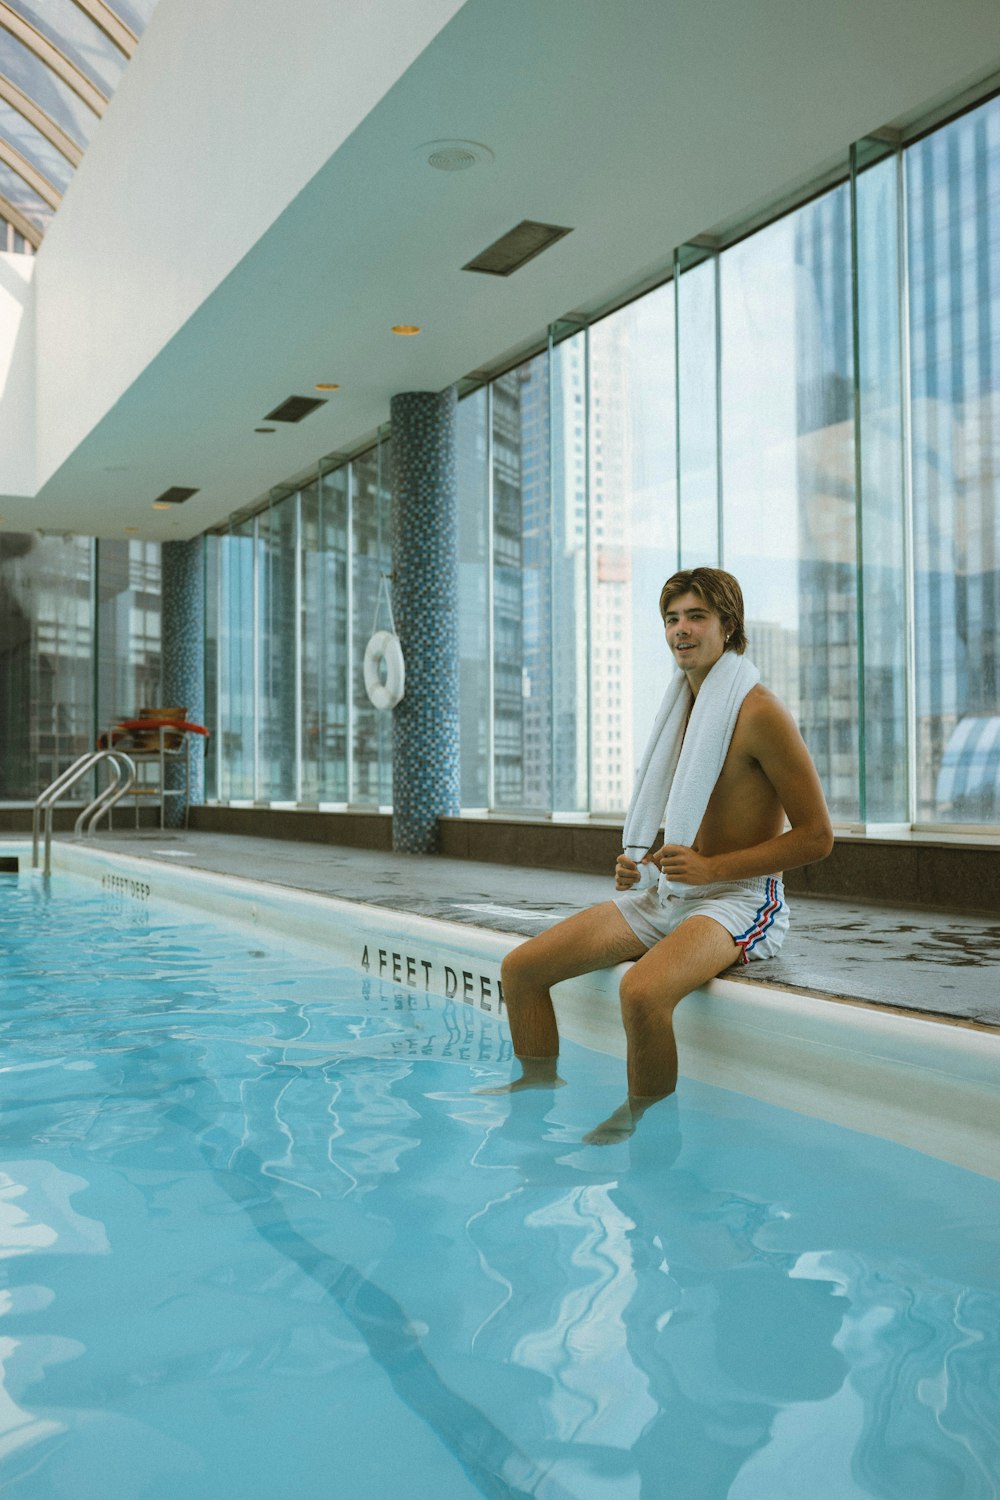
(68,778)
(112,794)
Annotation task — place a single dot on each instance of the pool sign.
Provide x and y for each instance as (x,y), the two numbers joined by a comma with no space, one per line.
(472,986)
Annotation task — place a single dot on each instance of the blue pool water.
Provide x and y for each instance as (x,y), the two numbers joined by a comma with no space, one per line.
(260,1240)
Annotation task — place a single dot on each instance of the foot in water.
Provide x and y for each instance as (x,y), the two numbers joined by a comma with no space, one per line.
(536,1073)
(620,1125)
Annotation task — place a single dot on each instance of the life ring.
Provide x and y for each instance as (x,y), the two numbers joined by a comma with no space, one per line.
(383,650)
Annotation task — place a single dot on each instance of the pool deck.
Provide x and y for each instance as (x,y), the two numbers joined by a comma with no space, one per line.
(918,961)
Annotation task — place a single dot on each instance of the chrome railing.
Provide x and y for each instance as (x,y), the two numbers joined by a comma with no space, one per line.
(119,763)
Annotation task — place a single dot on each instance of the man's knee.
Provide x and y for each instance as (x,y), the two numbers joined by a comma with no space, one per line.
(640,998)
(516,967)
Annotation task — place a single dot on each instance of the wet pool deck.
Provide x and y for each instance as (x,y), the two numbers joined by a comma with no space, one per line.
(916,960)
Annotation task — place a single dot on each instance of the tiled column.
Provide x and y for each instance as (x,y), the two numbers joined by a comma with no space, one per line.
(425,748)
(182,669)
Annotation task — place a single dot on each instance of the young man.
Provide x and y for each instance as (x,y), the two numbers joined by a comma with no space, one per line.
(718,901)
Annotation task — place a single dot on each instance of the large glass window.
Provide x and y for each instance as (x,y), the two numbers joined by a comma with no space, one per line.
(522,651)
(788,473)
(633,508)
(276,644)
(372,563)
(953,191)
(128,629)
(323,626)
(237,627)
(473,599)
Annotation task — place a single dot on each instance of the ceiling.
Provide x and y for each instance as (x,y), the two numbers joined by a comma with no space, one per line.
(638,125)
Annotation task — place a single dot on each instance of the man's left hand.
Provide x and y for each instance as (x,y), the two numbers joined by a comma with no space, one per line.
(685,865)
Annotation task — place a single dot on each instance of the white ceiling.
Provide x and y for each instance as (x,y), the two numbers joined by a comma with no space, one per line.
(638,123)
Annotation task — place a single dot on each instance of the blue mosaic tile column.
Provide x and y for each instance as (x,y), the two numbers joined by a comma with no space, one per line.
(182,661)
(425,746)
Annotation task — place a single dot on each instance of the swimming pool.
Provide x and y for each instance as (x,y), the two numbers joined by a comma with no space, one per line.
(262,1239)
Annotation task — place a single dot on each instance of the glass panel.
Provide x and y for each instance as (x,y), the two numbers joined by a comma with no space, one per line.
(568,683)
(236,653)
(473,604)
(128,629)
(276,644)
(522,697)
(49,92)
(135,13)
(213,546)
(953,188)
(696,312)
(634,533)
(34,147)
(883,548)
(325,562)
(77,38)
(372,558)
(20,196)
(46,663)
(788,465)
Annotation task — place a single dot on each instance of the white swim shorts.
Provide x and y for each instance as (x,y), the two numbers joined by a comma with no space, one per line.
(753,912)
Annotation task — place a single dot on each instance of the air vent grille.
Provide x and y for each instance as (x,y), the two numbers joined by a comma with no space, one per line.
(294,409)
(175,496)
(514,249)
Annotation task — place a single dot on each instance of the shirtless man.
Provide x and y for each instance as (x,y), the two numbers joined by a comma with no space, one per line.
(734,910)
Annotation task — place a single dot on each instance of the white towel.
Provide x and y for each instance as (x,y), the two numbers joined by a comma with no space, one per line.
(683,758)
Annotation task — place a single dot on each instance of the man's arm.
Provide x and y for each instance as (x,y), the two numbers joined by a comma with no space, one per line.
(774,741)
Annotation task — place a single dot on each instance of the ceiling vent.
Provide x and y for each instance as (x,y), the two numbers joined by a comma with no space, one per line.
(514,249)
(175,496)
(294,409)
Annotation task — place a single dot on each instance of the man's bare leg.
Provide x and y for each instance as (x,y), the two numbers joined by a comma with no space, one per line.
(695,952)
(592,939)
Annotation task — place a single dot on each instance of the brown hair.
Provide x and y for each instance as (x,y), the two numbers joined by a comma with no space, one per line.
(720,592)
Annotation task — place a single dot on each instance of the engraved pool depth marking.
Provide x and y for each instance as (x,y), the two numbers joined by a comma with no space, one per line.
(478,989)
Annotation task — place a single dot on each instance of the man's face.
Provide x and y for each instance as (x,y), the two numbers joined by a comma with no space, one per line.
(694,633)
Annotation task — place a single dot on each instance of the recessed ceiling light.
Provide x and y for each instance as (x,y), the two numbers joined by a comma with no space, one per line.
(131,529)
(326,385)
(405,328)
(162,505)
(263,429)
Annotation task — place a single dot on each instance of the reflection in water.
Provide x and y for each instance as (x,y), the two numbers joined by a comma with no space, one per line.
(269,1231)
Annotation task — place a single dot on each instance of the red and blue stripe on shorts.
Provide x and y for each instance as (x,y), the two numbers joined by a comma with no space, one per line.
(762,922)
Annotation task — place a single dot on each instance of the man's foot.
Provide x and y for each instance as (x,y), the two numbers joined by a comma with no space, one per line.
(536,1073)
(620,1125)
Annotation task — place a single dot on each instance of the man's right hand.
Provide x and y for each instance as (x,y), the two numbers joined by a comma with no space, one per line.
(626,873)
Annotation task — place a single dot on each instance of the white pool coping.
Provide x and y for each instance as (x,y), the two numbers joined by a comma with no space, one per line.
(927,1084)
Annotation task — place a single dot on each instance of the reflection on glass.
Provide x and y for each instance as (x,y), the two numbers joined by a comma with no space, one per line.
(522,654)
(213,545)
(788,463)
(953,191)
(372,557)
(46,668)
(633,507)
(473,554)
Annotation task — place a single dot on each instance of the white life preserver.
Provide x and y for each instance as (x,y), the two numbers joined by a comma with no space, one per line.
(384,648)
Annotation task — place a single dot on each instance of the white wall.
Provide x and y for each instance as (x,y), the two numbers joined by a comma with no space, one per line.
(224,114)
(17,375)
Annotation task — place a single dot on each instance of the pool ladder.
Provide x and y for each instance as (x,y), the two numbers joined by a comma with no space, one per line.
(120,765)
